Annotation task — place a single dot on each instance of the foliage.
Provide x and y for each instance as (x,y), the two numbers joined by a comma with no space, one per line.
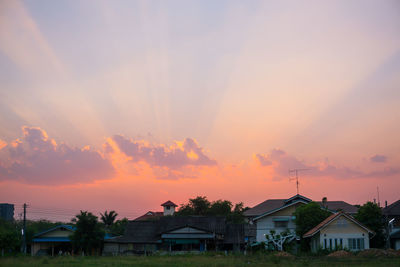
(108,218)
(88,234)
(118,228)
(202,206)
(9,236)
(307,217)
(370,215)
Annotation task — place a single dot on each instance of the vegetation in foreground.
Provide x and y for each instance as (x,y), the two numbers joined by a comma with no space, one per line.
(209,260)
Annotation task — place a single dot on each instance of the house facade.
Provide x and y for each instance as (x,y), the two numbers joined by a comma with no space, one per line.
(392,215)
(339,230)
(52,241)
(175,234)
(277,214)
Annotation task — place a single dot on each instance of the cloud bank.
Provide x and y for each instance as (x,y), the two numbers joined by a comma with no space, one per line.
(281,163)
(37,159)
(168,162)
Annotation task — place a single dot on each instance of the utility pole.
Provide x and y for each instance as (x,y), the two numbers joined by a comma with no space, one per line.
(296,171)
(24,231)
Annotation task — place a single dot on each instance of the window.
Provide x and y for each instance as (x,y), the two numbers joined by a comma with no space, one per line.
(325,243)
(336,245)
(341,242)
(356,243)
(281,224)
(330,243)
(167,207)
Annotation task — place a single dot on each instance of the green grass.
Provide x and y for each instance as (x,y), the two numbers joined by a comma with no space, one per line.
(210,260)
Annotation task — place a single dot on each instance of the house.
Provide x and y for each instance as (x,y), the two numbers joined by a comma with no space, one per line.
(277,214)
(52,241)
(274,214)
(169,209)
(178,233)
(392,213)
(339,230)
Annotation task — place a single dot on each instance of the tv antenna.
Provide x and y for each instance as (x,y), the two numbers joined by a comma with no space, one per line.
(296,171)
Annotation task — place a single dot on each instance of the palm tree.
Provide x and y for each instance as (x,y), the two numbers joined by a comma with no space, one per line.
(108,218)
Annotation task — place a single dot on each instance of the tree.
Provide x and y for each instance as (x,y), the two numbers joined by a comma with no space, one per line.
(9,236)
(108,218)
(118,228)
(89,234)
(370,215)
(307,217)
(196,206)
(220,208)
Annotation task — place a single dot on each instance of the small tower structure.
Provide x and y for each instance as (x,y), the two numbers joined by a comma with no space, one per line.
(169,208)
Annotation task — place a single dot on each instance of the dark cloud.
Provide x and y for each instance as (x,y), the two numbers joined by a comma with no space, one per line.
(281,162)
(378,158)
(36,159)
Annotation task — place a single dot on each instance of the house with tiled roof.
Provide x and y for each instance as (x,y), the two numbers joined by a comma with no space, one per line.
(277,214)
(392,214)
(340,230)
(169,209)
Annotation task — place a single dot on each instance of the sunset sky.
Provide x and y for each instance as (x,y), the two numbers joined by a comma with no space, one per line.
(126,104)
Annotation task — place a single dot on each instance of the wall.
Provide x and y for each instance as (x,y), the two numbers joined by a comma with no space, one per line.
(343,228)
(265,224)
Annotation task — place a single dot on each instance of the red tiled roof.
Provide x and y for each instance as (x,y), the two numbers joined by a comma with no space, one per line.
(169,203)
(330,219)
(149,215)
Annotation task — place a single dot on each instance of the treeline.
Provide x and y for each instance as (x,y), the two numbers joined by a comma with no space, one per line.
(201,206)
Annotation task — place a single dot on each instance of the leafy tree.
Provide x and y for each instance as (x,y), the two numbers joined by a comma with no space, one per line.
(307,217)
(108,218)
(220,208)
(118,228)
(9,236)
(196,206)
(370,214)
(89,234)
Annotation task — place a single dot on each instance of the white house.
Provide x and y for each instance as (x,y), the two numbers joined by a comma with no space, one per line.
(339,230)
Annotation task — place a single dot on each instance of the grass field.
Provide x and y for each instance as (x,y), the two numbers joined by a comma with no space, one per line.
(196,260)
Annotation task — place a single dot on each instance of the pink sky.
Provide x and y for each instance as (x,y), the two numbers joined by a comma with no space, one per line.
(124,105)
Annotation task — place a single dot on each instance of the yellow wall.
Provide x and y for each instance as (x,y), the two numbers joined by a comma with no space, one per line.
(286,211)
(57,233)
(348,227)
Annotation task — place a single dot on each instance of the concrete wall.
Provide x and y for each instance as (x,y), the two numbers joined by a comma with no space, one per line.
(267,223)
(342,228)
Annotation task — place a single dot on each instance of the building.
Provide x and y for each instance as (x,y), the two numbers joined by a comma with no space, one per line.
(169,209)
(175,234)
(277,214)
(392,214)
(55,241)
(52,241)
(7,211)
(339,230)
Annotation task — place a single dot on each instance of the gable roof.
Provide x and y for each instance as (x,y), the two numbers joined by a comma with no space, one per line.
(61,226)
(150,231)
(280,208)
(330,219)
(393,209)
(336,206)
(150,215)
(169,203)
(273,204)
